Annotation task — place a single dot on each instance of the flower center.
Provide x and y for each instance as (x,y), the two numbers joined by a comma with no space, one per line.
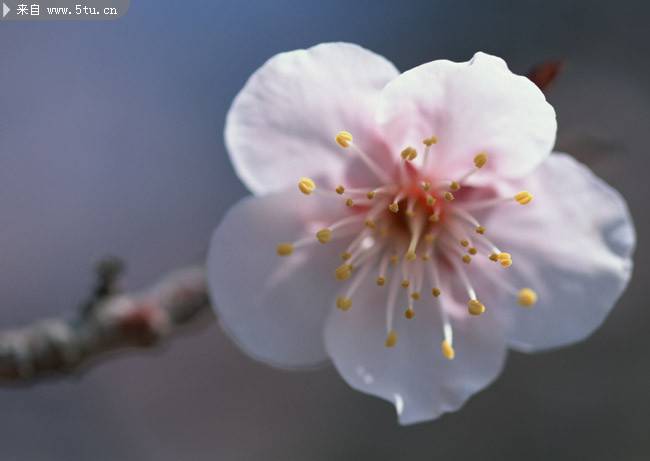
(407,230)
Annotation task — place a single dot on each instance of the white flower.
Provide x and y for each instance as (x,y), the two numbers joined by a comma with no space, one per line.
(407,217)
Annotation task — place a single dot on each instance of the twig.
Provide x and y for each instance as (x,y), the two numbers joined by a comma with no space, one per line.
(107,322)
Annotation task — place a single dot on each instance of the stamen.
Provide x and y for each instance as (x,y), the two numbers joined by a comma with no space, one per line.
(371,194)
(428,142)
(527,297)
(306,185)
(383,265)
(340,189)
(524,197)
(449,196)
(447,350)
(426,186)
(284,249)
(480,160)
(391,338)
(416,231)
(431,200)
(409,154)
(349,202)
(410,206)
(394,206)
(324,235)
(343,272)
(454,186)
(343,303)
(346,255)
(345,140)
(474,306)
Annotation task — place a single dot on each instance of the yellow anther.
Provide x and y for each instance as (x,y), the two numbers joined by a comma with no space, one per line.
(343,272)
(475,307)
(454,186)
(370,224)
(449,196)
(505,259)
(472,251)
(467,259)
(480,230)
(324,235)
(340,189)
(426,185)
(409,213)
(284,249)
(306,185)
(415,296)
(370,195)
(429,238)
(346,255)
(494,257)
(480,160)
(393,260)
(426,257)
(343,303)
(405,283)
(436,292)
(381,281)
(409,154)
(349,202)
(431,200)
(527,297)
(409,313)
(343,138)
(430,141)
(464,243)
(447,350)
(524,197)
(410,256)
(434,217)
(391,339)
(393,207)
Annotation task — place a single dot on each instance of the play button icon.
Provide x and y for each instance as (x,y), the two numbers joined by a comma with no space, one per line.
(5,10)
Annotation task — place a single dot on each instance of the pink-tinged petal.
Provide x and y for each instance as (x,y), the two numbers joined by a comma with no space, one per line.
(275,307)
(283,123)
(572,244)
(471,107)
(414,375)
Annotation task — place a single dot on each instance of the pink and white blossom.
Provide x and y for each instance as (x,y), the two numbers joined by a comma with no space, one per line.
(409,227)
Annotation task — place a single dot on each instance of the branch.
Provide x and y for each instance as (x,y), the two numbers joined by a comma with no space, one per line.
(109,321)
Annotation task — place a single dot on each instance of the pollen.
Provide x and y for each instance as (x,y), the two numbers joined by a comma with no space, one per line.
(391,338)
(426,185)
(429,238)
(472,251)
(306,185)
(343,303)
(524,197)
(343,272)
(505,259)
(370,195)
(409,313)
(393,207)
(447,350)
(494,257)
(480,230)
(349,202)
(415,296)
(527,297)
(346,255)
(430,141)
(449,196)
(435,292)
(381,281)
(370,224)
(475,307)
(324,235)
(340,189)
(411,256)
(454,186)
(343,139)
(464,243)
(405,283)
(284,249)
(431,200)
(409,154)
(435,217)
(480,160)
(467,259)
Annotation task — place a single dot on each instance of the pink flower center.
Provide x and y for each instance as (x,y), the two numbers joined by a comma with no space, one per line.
(409,229)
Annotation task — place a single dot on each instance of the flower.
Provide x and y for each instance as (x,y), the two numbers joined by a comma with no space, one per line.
(405,225)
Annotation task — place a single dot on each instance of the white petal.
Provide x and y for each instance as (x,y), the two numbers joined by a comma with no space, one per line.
(573,244)
(470,107)
(273,306)
(283,123)
(413,374)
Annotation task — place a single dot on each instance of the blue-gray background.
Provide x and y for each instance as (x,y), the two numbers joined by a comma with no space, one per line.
(111,142)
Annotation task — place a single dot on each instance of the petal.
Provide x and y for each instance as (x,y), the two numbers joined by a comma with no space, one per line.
(284,121)
(573,244)
(470,107)
(413,374)
(274,307)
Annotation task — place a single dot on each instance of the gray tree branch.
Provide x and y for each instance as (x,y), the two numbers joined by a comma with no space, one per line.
(109,321)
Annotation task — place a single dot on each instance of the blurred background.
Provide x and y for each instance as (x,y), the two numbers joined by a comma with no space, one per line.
(111,143)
